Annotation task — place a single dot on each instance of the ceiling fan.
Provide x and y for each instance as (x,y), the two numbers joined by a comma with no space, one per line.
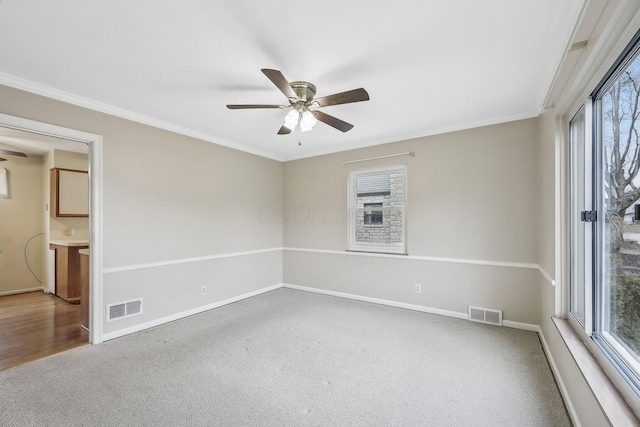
(10,153)
(300,96)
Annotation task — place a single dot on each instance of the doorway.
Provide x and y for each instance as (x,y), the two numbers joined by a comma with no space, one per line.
(94,143)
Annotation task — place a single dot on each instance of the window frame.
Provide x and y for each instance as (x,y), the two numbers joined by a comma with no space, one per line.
(580,234)
(605,348)
(353,245)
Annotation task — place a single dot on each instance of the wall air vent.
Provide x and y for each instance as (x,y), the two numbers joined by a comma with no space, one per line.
(124,309)
(485,315)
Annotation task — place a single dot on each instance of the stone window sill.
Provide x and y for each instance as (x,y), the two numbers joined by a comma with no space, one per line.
(615,408)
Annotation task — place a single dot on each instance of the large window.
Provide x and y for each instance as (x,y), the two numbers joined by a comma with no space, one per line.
(605,206)
(377,207)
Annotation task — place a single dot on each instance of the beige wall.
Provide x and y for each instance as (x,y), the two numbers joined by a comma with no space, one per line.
(546,204)
(464,188)
(171,198)
(21,219)
(472,195)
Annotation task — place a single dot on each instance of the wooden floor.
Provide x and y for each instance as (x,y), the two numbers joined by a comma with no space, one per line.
(36,325)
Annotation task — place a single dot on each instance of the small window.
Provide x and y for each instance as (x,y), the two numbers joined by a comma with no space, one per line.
(377,207)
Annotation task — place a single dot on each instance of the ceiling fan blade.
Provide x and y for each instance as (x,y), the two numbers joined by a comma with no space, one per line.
(284,130)
(2,160)
(332,121)
(355,95)
(280,81)
(247,106)
(12,153)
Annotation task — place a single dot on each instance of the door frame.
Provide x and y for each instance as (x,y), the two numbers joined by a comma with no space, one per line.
(95,206)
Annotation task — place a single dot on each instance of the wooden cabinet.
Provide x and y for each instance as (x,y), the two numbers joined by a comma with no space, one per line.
(69,193)
(84,288)
(68,271)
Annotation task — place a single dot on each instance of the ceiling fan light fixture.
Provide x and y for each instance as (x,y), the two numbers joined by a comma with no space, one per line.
(301,95)
(307,121)
(291,119)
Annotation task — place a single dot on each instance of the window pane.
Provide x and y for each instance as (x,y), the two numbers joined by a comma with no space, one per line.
(618,313)
(386,232)
(373,217)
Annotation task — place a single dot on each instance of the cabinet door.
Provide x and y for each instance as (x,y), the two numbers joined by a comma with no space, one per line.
(69,192)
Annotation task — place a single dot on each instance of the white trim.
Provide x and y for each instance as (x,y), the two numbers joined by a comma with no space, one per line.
(414,307)
(562,230)
(507,264)
(187,313)
(520,325)
(186,260)
(33,126)
(24,291)
(546,275)
(29,86)
(389,303)
(589,204)
(95,214)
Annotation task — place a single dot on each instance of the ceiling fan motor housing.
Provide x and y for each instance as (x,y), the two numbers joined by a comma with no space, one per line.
(304,90)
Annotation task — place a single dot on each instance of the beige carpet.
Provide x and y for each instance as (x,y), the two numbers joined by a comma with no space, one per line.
(292,358)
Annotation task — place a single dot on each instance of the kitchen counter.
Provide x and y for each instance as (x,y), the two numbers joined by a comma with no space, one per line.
(69,242)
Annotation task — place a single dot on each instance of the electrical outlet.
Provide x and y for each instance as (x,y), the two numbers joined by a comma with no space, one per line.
(204,290)
(67,231)
(418,289)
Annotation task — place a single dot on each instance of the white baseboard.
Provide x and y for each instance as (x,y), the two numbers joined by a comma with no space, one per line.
(23,291)
(390,303)
(171,318)
(523,326)
(421,308)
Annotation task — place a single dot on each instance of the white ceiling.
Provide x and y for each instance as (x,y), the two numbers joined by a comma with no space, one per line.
(429,66)
(36,144)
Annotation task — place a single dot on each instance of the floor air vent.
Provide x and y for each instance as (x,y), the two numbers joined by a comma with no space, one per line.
(121,310)
(485,315)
